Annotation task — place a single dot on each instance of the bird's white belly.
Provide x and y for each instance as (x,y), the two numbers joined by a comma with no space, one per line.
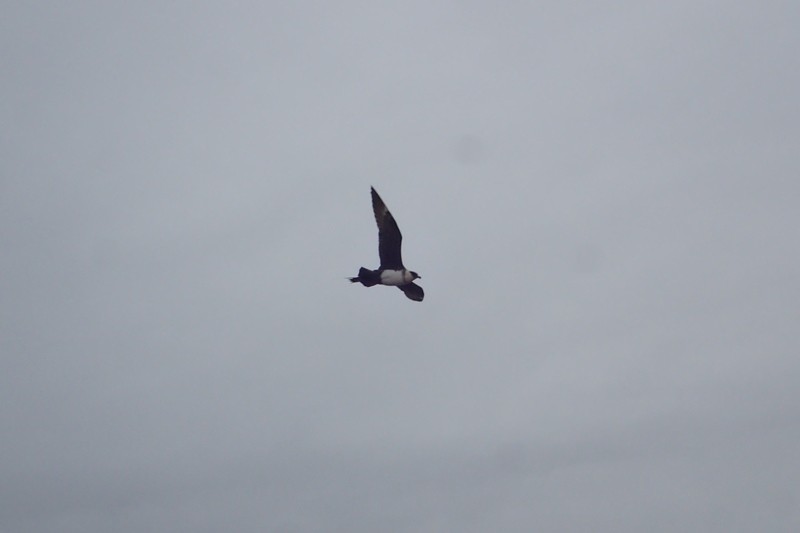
(395,277)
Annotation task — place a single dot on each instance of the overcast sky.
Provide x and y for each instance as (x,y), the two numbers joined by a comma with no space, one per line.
(602,200)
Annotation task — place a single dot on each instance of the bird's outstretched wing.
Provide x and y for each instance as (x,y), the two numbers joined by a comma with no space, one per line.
(389,237)
(413,291)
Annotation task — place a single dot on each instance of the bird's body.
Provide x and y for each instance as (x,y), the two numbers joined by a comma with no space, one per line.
(396,277)
(391,272)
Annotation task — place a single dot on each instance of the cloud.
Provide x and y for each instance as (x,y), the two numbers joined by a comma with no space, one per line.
(600,201)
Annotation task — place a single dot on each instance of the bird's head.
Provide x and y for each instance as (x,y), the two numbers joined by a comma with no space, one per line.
(414,275)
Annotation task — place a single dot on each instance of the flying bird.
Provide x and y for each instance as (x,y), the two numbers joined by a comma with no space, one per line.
(391,272)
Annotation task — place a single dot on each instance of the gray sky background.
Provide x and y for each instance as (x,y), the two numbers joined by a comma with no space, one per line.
(602,199)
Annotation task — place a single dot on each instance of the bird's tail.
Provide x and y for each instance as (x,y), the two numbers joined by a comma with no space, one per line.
(367,277)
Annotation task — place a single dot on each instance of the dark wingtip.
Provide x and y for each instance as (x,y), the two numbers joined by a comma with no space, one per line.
(376,198)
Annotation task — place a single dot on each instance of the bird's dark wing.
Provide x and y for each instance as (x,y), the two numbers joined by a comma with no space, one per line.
(389,237)
(413,291)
